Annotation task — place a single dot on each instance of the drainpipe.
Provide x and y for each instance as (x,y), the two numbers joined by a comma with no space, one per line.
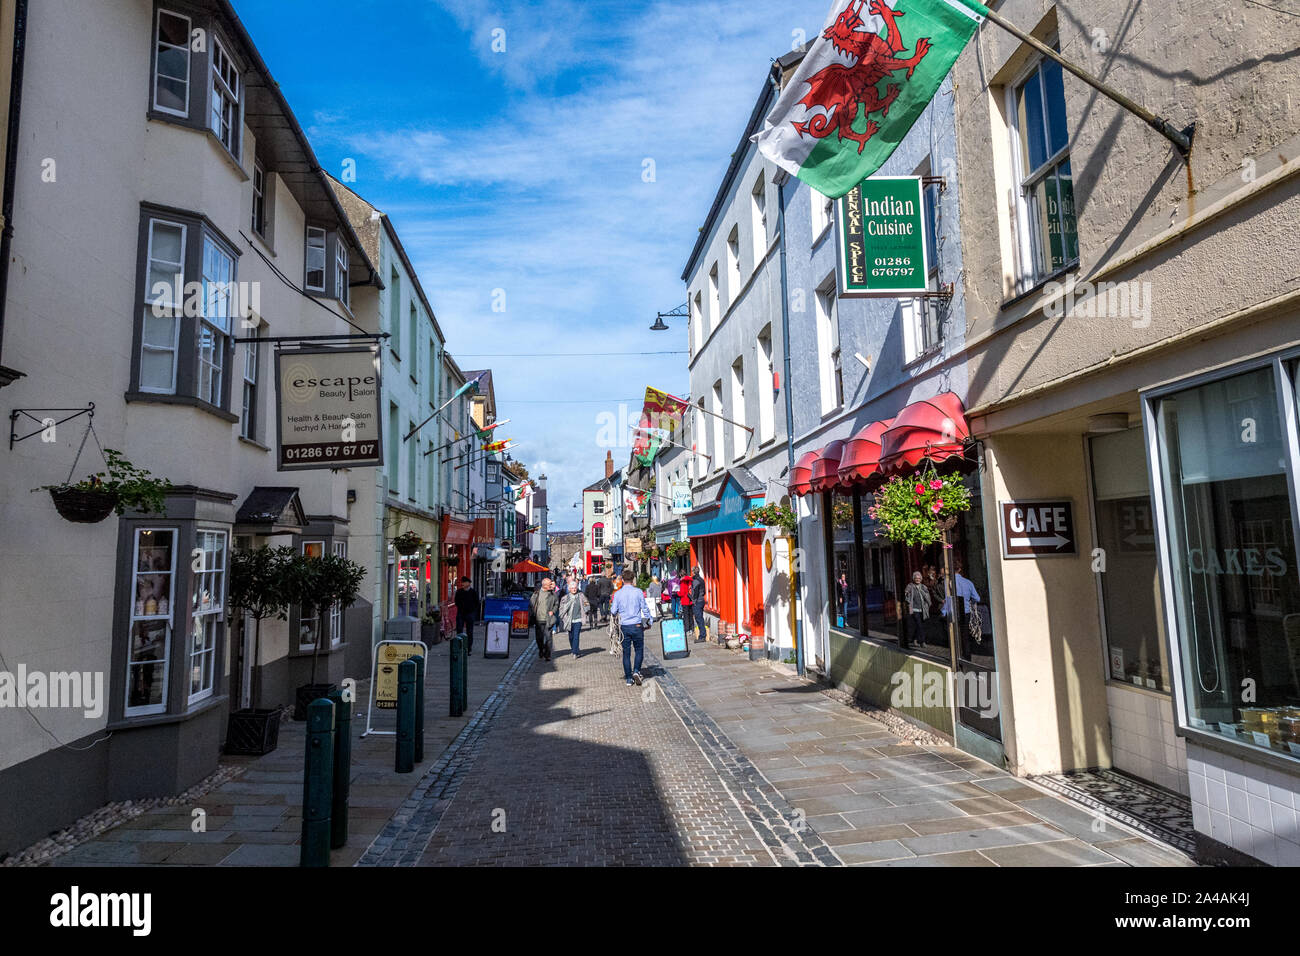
(11,167)
(789,405)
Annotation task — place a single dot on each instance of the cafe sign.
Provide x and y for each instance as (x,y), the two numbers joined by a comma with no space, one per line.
(327,409)
(882,251)
(1037,528)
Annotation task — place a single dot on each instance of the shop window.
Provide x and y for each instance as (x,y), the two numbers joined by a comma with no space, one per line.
(309,624)
(153,586)
(206,610)
(845,595)
(1228,506)
(1135,645)
(336,612)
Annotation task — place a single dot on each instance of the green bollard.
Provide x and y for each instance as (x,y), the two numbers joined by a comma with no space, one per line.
(342,769)
(317,784)
(405,717)
(419,708)
(464,680)
(457,675)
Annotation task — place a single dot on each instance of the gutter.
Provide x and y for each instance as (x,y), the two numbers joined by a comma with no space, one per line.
(7,375)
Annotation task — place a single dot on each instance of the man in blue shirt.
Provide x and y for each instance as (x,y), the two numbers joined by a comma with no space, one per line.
(629,606)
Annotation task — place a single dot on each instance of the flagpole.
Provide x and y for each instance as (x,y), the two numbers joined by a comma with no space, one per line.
(457,441)
(1182,139)
(701,408)
(677,444)
(470,461)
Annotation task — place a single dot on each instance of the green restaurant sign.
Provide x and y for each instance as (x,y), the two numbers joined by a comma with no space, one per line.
(882,244)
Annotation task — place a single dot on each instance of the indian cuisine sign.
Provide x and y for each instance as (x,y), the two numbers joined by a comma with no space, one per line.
(327,409)
(882,247)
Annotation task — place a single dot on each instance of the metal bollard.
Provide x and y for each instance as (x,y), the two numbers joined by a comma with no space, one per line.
(317,784)
(342,769)
(405,717)
(419,707)
(457,675)
(464,681)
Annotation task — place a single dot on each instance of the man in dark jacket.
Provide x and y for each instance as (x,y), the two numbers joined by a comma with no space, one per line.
(543,609)
(697,600)
(599,590)
(467,612)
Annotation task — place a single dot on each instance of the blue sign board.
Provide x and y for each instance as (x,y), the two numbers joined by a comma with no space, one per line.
(727,515)
(672,639)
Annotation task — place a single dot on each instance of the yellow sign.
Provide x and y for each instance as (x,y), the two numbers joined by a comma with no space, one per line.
(388,656)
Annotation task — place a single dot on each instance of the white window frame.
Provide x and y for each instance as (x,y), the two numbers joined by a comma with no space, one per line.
(342,266)
(225,95)
(259,198)
(248,396)
(598,506)
(827,345)
(215,323)
(1028,273)
(715,298)
(312,232)
(598,535)
(158,42)
(739,435)
(758,218)
(177,308)
(206,618)
(733,265)
(340,550)
(821,213)
(317,617)
(167,618)
(719,432)
(765,355)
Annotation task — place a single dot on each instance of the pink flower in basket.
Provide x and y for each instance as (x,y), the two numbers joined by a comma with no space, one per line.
(936,506)
(936,484)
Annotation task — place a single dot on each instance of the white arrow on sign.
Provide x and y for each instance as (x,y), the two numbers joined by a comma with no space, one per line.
(1057,541)
(1134,540)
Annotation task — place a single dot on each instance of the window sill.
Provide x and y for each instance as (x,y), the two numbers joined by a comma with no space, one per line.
(935,351)
(1037,287)
(265,243)
(159,398)
(230,158)
(155,720)
(254,442)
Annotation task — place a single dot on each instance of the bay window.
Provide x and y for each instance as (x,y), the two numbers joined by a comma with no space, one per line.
(163,305)
(315,277)
(225,115)
(171,75)
(341,290)
(214,325)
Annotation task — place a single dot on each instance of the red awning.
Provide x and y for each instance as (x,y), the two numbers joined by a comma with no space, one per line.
(527,567)
(826,469)
(860,463)
(801,476)
(934,428)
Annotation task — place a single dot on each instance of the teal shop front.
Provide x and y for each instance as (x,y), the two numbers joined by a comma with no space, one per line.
(730,555)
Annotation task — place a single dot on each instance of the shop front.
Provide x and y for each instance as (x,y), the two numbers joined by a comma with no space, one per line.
(729,553)
(893,635)
(456,557)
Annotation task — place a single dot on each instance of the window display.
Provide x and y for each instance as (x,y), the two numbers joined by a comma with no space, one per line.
(1231,547)
(153,584)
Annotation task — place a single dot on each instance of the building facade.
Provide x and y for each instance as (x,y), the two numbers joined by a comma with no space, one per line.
(1132,340)
(200,175)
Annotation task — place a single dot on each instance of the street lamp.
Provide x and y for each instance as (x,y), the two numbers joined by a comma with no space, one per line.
(681,312)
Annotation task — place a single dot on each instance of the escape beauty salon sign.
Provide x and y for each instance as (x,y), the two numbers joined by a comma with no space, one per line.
(882,250)
(327,409)
(1032,529)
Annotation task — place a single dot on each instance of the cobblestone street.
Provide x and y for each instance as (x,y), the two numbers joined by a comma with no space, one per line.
(717,760)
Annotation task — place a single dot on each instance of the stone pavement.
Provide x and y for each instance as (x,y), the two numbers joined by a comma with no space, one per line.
(880,800)
(256,818)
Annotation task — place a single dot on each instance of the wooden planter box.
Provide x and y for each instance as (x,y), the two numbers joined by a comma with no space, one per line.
(252,732)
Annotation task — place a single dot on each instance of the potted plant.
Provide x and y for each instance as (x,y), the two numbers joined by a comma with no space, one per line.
(431,626)
(120,486)
(773,515)
(919,509)
(316,584)
(408,542)
(257,590)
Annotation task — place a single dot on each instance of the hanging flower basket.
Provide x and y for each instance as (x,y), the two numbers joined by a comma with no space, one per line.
(918,509)
(407,543)
(773,516)
(83,505)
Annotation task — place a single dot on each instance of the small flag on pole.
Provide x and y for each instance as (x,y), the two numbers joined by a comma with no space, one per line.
(496,445)
(862,85)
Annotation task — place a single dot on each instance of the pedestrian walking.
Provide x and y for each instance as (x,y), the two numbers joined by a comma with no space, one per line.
(629,605)
(916,599)
(468,607)
(543,610)
(684,604)
(674,583)
(652,594)
(573,607)
(969,626)
(698,592)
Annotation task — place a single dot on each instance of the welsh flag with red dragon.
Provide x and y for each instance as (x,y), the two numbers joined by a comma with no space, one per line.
(862,85)
(660,411)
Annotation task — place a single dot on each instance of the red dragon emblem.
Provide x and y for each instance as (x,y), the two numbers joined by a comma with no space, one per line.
(840,90)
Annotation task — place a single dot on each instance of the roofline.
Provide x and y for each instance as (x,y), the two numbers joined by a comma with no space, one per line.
(272,87)
(755,117)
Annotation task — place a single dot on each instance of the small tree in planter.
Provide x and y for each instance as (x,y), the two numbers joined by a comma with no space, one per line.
(120,486)
(315,584)
(257,589)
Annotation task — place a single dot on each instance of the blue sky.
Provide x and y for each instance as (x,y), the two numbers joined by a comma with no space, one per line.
(522,171)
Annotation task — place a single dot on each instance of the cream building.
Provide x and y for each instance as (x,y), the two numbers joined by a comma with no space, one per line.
(164,148)
(1132,346)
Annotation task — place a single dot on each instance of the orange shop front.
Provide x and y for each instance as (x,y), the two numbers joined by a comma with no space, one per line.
(730,555)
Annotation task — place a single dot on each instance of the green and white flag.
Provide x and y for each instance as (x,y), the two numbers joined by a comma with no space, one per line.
(862,85)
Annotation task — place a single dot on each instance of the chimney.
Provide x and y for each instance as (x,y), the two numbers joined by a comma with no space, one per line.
(609,464)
